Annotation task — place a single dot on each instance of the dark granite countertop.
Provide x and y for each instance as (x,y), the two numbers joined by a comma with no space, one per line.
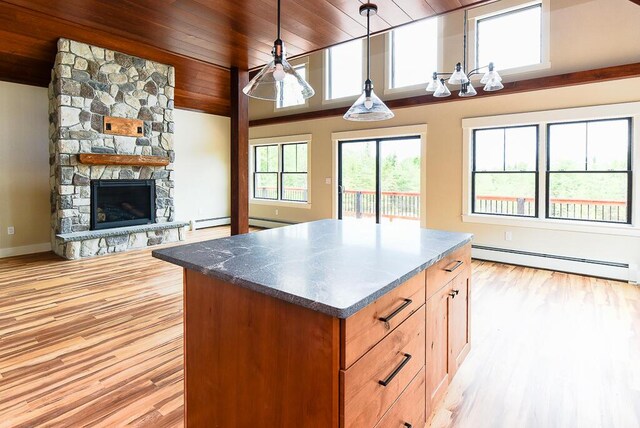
(332,266)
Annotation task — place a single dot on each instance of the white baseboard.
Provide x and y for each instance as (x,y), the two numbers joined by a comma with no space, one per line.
(26,249)
(266,223)
(210,222)
(545,261)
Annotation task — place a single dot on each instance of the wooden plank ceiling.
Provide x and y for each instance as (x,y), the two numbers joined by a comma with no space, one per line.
(203,39)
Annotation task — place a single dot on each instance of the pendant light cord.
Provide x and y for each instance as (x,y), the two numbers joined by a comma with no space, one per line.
(368,46)
(278,19)
(464,41)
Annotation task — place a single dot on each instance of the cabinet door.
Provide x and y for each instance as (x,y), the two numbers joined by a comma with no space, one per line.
(437,333)
(458,321)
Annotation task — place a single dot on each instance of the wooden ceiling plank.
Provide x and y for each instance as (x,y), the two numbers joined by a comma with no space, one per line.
(442,6)
(415,9)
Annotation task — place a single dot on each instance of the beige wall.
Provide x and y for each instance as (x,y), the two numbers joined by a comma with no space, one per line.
(444,168)
(584,34)
(24,166)
(201,167)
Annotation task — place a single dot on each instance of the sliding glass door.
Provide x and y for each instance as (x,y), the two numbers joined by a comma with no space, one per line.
(379,180)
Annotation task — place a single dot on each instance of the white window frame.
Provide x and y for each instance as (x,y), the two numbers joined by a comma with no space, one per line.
(388,66)
(506,6)
(297,63)
(327,77)
(280,141)
(542,119)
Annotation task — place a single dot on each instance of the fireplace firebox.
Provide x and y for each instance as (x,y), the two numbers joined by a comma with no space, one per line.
(120,203)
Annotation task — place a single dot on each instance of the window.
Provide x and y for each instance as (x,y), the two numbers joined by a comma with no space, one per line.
(280,172)
(409,67)
(292,97)
(510,39)
(344,70)
(589,171)
(265,176)
(585,179)
(294,172)
(505,171)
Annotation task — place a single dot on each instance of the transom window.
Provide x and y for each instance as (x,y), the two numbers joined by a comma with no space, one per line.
(344,70)
(589,170)
(505,171)
(510,39)
(292,97)
(410,64)
(280,172)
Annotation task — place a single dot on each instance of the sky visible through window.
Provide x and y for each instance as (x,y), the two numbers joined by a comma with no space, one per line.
(292,96)
(345,70)
(414,55)
(510,40)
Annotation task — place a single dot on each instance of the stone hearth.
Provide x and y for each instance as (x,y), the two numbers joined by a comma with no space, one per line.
(89,83)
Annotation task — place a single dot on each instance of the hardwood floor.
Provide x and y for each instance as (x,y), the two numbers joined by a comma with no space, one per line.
(95,342)
(98,342)
(548,350)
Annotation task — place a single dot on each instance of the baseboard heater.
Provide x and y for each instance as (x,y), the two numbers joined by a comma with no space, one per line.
(592,267)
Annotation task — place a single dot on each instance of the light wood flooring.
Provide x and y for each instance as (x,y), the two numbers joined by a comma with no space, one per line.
(98,342)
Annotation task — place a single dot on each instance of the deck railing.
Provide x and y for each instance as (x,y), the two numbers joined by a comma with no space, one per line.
(578,209)
(406,205)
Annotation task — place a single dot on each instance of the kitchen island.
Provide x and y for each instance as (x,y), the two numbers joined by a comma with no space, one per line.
(322,324)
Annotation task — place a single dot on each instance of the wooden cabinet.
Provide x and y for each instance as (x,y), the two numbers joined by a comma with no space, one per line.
(252,359)
(458,307)
(447,330)
(437,336)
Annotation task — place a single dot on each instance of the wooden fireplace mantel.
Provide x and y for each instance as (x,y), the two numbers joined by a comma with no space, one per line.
(135,160)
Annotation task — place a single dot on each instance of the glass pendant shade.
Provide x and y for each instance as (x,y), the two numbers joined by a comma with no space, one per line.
(275,84)
(433,85)
(490,75)
(368,109)
(468,90)
(493,85)
(458,77)
(442,90)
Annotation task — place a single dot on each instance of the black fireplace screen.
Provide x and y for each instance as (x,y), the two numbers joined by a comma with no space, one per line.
(120,203)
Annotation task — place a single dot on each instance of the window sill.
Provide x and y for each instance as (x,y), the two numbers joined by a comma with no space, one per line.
(549,224)
(302,106)
(419,87)
(278,203)
(350,99)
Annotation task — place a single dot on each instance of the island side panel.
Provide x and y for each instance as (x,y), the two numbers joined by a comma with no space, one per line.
(254,360)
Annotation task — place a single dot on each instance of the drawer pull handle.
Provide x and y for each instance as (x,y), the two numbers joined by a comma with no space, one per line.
(399,309)
(389,378)
(457,264)
(408,425)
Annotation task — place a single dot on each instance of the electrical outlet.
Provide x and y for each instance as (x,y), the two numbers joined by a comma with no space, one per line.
(11,230)
(508,236)
(276,212)
(327,180)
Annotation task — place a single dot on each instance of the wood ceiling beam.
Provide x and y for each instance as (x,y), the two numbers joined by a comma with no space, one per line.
(540,83)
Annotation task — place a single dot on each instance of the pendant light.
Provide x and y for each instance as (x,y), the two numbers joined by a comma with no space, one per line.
(368,107)
(491,79)
(278,79)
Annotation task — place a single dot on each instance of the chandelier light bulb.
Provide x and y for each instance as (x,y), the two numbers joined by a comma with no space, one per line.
(278,73)
(493,85)
(458,77)
(368,103)
(442,91)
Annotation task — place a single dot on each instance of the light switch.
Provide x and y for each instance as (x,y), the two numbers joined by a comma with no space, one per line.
(327,180)
(11,230)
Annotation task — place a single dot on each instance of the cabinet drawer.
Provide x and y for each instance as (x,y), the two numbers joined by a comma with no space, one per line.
(374,382)
(409,410)
(448,268)
(364,329)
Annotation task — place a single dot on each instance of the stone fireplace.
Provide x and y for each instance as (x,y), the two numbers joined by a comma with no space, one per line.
(106,204)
